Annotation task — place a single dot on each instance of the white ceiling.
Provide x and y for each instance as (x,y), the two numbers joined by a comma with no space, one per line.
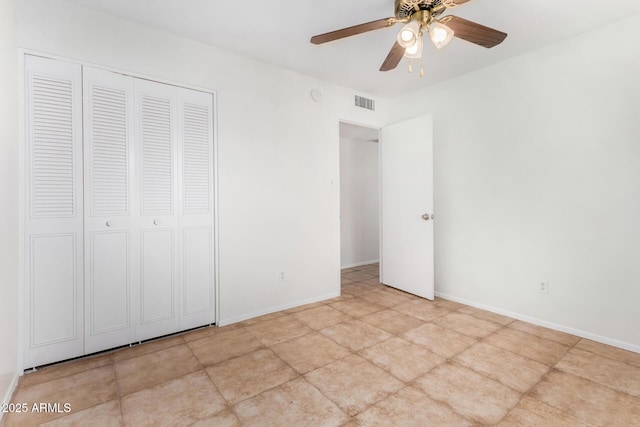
(278,32)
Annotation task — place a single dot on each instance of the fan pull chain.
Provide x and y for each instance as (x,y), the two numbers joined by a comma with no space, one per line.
(410,69)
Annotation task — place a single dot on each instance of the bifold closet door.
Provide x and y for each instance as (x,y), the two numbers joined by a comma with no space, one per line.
(174,134)
(197,208)
(131,226)
(53,212)
(119,212)
(111,224)
(156,176)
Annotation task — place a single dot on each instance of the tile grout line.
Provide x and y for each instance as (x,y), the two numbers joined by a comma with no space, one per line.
(120,406)
(631,365)
(589,379)
(518,354)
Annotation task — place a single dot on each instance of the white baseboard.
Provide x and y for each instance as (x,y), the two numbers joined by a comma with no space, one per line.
(555,326)
(9,393)
(359,264)
(235,319)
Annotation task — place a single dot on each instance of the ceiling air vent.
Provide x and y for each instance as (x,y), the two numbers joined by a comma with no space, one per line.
(367,103)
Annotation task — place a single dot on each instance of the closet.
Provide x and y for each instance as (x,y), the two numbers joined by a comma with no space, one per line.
(120,210)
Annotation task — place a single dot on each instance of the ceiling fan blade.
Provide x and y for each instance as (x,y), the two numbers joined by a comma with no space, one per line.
(474,33)
(352,31)
(393,59)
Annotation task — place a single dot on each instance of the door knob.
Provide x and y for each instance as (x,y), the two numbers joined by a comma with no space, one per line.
(156,222)
(426,217)
(108,223)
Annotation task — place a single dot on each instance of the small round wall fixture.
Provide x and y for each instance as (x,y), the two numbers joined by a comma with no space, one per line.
(316,95)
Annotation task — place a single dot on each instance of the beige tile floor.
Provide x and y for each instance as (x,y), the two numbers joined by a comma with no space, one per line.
(373,357)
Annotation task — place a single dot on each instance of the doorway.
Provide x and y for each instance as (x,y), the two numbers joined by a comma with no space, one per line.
(386,202)
(359,195)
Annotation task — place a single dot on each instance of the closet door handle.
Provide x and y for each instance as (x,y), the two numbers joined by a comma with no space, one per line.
(108,223)
(156,222)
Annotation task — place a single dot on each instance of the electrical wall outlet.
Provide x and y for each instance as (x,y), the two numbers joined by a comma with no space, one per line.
(543,288)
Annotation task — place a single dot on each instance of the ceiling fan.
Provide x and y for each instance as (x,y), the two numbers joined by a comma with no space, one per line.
(419,16)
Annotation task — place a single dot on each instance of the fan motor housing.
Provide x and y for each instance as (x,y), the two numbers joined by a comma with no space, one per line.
(406,8)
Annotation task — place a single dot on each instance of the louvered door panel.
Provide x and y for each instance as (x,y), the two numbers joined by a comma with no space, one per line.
(109,145)
(157,147)
(53,220)
(111,237)
(52,154)
(196,158)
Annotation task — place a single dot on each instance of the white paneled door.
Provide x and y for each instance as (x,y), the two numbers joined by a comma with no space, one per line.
(111,223)
(156,184)
(406,175)
(135,248)
(53,211)
(196,207)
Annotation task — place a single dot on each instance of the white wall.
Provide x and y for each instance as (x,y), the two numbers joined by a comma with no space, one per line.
(9,214)
(537,178)
(359,202)
(278,150)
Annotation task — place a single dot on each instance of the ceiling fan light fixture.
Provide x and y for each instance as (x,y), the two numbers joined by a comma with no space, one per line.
(415,50)
(409,34)
(440,34)
(418,16)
